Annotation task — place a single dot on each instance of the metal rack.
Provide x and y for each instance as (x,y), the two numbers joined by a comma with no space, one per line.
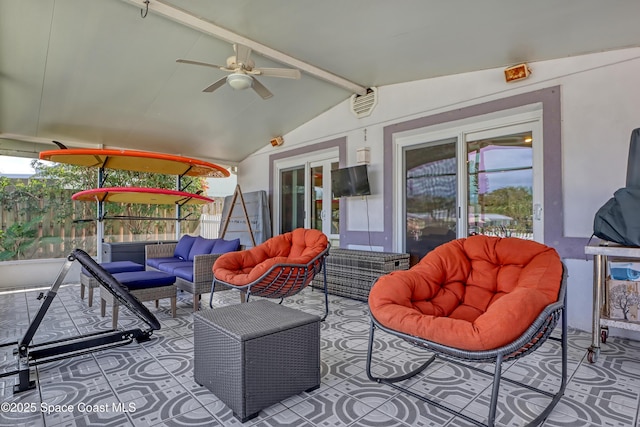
(602,252)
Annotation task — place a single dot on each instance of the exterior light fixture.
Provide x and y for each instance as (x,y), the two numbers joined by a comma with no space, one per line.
(517,72)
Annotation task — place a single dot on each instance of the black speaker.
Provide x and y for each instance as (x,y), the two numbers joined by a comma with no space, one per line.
(633,165)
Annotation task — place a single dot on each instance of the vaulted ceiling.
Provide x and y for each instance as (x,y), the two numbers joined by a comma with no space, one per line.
(97,72)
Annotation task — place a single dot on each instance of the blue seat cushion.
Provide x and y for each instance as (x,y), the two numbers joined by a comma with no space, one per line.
(117,267)
(169,267)
(185,273)
(201,246)
(183,247)
(155,262)
(223,246)
(145,279)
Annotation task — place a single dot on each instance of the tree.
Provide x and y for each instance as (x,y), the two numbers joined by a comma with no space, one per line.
(31,209)
(17,239)
(514,202)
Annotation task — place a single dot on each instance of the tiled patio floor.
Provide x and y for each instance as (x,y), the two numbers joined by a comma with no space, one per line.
(154,382)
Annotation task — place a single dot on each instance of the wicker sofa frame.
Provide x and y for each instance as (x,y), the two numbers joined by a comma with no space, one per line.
(282,280)
(202,270)
(537,333)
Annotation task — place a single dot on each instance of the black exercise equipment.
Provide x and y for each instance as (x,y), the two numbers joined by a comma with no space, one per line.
(32,355)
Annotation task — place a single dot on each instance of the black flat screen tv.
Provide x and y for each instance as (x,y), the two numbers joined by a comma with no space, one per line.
(351,181)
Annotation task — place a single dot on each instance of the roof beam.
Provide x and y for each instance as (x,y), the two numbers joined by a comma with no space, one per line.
(206,27)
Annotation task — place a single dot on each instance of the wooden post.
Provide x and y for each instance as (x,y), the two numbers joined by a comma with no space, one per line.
(237,193)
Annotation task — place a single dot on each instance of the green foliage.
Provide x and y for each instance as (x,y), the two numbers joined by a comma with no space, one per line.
(514,202)
(18,238)
(78,178)
(46,196)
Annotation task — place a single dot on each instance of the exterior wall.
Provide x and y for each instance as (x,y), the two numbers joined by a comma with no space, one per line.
(599,109)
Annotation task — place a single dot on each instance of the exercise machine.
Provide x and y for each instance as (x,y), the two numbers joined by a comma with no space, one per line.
(29,354)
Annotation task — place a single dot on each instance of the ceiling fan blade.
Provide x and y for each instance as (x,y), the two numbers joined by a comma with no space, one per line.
(216,85)
(260,89)
(206,64)
(242,53)
(287,73)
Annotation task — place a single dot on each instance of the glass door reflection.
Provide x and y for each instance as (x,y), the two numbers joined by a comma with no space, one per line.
(500,186)
(292,199)
(430,196)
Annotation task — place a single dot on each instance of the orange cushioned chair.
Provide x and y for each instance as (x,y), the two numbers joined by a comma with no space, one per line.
(478,299)
(280,267)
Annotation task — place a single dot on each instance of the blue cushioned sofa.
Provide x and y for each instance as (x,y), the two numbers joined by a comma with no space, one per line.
(191,261)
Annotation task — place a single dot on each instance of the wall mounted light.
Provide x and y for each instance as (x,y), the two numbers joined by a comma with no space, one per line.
(277,141)
(517,72)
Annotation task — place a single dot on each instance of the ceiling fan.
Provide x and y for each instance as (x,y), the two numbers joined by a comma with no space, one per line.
(242,69)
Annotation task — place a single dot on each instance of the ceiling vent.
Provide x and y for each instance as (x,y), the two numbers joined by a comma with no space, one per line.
(363,105)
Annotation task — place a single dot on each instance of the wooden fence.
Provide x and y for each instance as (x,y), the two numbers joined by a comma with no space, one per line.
(60,225)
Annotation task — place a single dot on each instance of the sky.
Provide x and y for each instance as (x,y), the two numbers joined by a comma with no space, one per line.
(15,165)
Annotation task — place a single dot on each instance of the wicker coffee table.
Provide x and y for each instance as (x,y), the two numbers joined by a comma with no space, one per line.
(255,354)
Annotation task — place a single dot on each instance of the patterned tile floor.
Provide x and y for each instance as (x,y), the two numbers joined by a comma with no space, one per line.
(152,383)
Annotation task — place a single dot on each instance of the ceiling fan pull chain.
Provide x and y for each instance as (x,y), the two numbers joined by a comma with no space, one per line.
(146,11)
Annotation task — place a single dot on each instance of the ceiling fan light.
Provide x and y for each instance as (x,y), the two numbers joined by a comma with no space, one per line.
(239,81)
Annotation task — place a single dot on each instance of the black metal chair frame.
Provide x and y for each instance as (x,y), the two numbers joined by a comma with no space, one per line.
(283,280)
(537,333)
(32,355)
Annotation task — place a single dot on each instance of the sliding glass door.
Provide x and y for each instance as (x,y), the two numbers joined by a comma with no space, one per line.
(500,185)
(484,178)
(430,176)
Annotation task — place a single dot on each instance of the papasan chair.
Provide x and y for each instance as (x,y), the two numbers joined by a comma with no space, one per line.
(479,299)
(280,267)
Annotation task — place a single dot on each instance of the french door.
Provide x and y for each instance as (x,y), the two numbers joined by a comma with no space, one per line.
(305,197)
(484,178)
(325,210)
(431,195)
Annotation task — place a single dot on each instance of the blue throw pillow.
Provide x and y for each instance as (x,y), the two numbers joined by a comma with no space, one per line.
(223,246)
(184,246)
(201,246)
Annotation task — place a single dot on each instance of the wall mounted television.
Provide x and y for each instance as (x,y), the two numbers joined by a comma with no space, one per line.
(350,181)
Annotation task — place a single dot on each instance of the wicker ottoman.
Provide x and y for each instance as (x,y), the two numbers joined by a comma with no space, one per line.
(256,354)
(145,286)
(88,281)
